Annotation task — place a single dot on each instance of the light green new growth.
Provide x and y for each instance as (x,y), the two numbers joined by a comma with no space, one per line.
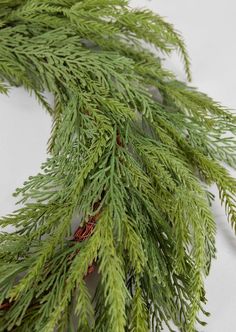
(132,148)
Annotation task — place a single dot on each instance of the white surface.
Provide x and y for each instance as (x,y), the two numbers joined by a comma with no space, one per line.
(208,28)
(24,131)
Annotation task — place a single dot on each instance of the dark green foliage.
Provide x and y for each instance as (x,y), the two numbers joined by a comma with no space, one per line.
(128,135)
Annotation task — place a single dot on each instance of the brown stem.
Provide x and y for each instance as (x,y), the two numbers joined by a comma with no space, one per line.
(5,305)
(84,232)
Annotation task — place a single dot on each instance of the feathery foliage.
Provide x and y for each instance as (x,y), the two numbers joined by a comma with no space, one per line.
(131,154)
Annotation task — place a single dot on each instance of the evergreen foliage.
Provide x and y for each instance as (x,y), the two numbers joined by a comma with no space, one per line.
(131,154)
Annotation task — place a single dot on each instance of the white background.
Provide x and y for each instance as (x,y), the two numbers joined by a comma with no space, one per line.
(209,31)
